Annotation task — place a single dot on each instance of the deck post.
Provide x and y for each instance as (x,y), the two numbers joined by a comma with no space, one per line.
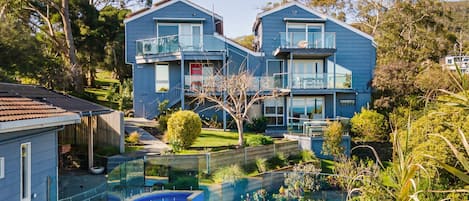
(182,80)
(90,142)
(335,104)
(224,94)
(290,77)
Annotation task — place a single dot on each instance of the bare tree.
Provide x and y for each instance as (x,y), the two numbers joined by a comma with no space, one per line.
(235,94)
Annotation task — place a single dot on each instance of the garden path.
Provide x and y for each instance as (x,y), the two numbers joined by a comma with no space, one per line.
(151,143)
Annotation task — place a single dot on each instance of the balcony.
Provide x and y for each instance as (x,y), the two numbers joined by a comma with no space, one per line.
(168,46)
(194,82)
(278,81)
(313,81)
(303,44)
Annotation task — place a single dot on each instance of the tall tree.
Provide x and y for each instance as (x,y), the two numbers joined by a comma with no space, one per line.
(52,19)
(407,48)
(111,21)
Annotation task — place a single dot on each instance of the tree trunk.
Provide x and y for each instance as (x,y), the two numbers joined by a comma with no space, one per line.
(239,124)
(75,67)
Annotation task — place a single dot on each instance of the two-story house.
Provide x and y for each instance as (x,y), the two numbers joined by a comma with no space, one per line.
(324,64)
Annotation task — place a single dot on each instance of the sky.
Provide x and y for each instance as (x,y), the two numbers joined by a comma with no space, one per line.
(238,15)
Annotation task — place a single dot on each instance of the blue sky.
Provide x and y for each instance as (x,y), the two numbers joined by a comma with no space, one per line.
(238,15)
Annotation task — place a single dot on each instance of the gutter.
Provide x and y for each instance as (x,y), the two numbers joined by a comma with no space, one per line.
(38,123)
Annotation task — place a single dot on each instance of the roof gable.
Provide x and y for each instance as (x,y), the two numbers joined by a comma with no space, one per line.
(166,4)
(319,14)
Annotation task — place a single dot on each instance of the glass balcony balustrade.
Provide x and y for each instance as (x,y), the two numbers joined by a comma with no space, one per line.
(307,40)
(178,43)
(313,81)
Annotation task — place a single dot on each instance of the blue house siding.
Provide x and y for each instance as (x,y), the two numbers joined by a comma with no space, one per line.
(273,24)
(43,165)
(145,95)
(145,26)
(354,52)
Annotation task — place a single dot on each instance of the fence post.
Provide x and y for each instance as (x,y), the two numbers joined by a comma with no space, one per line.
(207,161)
(275,150)
(245,157)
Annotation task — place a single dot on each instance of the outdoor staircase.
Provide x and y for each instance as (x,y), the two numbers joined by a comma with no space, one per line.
(173,96)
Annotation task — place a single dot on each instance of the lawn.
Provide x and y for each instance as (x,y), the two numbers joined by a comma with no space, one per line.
(103,82)
(212,138)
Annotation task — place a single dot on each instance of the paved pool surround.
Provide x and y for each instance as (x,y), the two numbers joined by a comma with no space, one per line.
(170,196)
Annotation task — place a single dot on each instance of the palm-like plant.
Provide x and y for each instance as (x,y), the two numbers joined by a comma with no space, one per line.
(463,159)
(461,100)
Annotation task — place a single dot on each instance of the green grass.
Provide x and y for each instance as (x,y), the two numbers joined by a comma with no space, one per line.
(103,81)
(211,138)
(130,149)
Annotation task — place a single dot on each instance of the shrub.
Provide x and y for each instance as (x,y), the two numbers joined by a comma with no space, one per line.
(163,122)
(183,129)
(261,164)
(277,161)
(230,174)
(369,125)
(258,125)
(256,140)
(332,139)
(307,156)
(133,138)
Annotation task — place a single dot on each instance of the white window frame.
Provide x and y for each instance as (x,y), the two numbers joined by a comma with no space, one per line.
(2,167)
(305,103)
(179,34)
(278,102)
(306,30)
(157,85)
(28,168)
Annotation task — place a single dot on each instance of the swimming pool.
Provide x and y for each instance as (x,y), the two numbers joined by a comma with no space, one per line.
(167,196)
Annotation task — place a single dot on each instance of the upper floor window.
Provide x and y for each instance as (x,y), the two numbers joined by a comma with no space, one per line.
(305,35)
(187,36)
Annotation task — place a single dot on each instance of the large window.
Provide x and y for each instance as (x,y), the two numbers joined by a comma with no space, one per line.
(308,74)
(25,172)
(187,36)
(305,35)
(273,111)
(161,78)
(274,70)
(304,108)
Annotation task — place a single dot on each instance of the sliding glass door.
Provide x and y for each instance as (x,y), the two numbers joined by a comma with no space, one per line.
(303,109)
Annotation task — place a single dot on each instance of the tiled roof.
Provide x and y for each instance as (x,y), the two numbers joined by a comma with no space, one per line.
(18,108)
(49,97)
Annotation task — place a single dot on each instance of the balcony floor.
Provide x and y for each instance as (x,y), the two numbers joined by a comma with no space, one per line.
(175,56)
(304,52)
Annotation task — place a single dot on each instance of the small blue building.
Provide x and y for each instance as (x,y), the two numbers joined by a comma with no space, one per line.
(28,148)
(324,64)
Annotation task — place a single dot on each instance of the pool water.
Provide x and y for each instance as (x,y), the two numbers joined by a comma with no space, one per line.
(169,196)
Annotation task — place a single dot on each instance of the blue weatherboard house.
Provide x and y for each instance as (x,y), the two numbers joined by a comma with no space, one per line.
(324,65)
